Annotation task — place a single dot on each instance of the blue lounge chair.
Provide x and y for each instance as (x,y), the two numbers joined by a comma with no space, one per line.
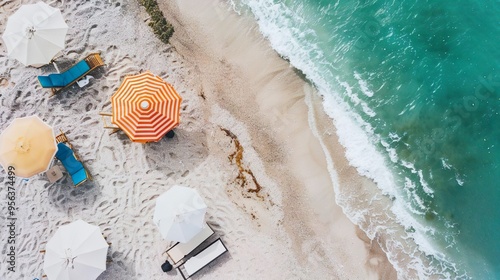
(70,160)
(60,81)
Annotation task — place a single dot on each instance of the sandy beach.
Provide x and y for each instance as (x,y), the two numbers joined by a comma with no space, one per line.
(252,141)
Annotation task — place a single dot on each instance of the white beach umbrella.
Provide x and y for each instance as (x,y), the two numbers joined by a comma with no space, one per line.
(77,251)
(180,214)
(35,34)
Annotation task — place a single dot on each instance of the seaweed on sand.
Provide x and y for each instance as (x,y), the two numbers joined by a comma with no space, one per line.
(161,27)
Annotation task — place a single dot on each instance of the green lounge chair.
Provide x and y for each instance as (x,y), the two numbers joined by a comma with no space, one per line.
(59,81)
(70,160)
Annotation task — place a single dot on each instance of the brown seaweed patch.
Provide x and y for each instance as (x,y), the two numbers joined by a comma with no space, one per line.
(243,173)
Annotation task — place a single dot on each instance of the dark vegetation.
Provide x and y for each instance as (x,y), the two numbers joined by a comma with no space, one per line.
(161,27)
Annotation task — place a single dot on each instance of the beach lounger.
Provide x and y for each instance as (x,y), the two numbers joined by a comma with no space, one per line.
(70,160)
(113,129)
(59,81)
(180,250)
(202,259)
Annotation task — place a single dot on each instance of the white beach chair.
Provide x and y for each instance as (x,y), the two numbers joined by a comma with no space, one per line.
(202,259)
(177,252)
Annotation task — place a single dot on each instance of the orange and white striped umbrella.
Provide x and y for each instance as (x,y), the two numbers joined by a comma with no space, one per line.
(145,107)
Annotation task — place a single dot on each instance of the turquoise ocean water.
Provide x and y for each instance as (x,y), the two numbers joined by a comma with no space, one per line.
(422,79)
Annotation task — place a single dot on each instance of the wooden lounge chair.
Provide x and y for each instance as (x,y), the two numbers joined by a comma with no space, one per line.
(113,129)
(180,250)
(60,81)
(202,259)
(71,161)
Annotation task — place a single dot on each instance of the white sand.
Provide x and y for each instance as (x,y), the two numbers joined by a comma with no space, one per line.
(242,104)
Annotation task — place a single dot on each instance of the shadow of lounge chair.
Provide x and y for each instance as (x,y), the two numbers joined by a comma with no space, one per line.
(202,259)
(70,160)
(59,81)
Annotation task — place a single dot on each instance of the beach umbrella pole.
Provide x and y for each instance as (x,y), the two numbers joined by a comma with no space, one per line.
(57,68)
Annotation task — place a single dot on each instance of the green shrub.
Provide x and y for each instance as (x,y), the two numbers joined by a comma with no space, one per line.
(161,27)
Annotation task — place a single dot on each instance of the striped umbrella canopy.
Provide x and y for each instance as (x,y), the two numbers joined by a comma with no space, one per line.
(145,107)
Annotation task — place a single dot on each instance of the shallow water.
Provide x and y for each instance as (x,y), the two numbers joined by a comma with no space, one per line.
(422,79)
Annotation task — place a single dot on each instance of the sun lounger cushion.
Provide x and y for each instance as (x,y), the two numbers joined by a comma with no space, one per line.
(180,250)
(65,78)
(76,71)
(73,166)
(79,177)
(202,259)
(46,82)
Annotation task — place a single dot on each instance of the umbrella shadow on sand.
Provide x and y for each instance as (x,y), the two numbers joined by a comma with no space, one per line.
(64,195)
(117,270)
(178,155)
